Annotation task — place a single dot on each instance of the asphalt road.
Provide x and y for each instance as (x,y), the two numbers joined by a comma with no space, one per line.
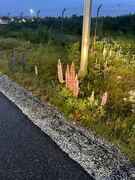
(26,153)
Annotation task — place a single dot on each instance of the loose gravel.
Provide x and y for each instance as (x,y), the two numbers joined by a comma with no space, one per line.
(101,160)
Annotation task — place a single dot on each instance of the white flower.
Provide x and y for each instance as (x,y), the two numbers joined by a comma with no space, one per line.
(125,99)
(36,71)
(104,99)
(132,96)
(119,77)
(92,98)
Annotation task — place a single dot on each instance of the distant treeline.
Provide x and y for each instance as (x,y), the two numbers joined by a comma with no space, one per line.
(120,25)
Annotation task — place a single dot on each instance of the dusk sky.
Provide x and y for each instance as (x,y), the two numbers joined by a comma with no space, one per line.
(54,7)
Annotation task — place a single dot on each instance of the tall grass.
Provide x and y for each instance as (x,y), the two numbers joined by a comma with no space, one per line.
(113,73)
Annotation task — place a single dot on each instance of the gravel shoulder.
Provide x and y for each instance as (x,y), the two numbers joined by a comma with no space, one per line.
(100,159)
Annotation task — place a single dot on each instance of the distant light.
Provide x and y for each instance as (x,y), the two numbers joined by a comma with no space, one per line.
(23,20)
(31,12)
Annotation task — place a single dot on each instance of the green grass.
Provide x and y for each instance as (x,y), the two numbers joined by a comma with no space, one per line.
(115,122)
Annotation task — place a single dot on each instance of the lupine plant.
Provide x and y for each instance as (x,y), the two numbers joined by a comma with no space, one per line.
(17,62)
(71,78)
(104,99)
(60,72)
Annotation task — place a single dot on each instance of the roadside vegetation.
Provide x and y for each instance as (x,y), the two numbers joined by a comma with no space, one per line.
(105,102)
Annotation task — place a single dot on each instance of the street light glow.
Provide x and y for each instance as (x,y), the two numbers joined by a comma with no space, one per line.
(31,12)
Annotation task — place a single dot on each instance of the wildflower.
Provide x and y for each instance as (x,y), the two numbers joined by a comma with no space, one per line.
(132,96)
(60,72)
(125,99)
(119,77)
(67,76)
(76,87)
(92,98)
(104,99)
(72,76)
(71,80)
(36,71)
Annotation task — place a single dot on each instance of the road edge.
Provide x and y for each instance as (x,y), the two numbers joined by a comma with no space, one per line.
(100,159)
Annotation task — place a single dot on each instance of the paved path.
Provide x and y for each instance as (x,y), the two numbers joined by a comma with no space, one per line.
(26,153)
